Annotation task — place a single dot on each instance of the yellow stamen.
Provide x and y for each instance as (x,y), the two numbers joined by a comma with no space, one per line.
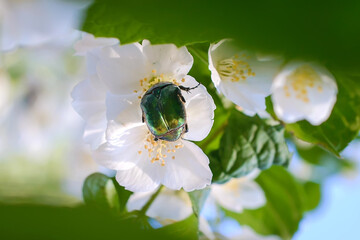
(236,68)
(301,80)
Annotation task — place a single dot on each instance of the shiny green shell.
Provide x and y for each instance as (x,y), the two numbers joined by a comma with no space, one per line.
(163,111)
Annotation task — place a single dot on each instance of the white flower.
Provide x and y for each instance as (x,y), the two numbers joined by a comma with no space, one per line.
(304,90)
(242,76)
(168,207)
(89,95)
(239,193)
(122,75)
(33,22)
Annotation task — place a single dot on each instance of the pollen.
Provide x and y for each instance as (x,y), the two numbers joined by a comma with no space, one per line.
(160,150)
(147,83)
(236,68)
(301,81)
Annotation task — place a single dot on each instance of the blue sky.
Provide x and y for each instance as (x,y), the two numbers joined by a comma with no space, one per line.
(338,215)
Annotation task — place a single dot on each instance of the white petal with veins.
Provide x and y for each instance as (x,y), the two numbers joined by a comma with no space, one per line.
(199,105)
(168,59)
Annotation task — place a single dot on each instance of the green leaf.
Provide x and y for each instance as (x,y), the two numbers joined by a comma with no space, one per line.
(99,190)
(183,230)
(82,222)
(246,144)
(344,123)
(122,193)
(287,200)
(282,155)
(219,173)
(198,198)
(313,195)
(327,32)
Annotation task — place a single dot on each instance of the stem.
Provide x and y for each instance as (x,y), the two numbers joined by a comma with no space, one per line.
(198,54)
(214,135)
(150,201)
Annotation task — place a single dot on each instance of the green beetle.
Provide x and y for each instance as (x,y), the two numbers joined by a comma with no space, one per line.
(163,110)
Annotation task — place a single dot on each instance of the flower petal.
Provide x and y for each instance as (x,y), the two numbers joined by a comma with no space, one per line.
(252,195)
(138,199)
(123,109)
(94,133)
(189,170)
(143,177)
(304,91)
(123,148)
(168,59)
(89,102)
(238,194)
(88,43)
(121,68)
(199,113)
(115,157)
(169,205)
(30,23)
(252,103)
(120,136)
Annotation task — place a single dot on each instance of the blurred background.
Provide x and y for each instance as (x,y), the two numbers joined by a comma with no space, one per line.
(43,159)
(42,156)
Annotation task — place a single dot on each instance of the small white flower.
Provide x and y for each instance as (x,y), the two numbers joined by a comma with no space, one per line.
(242,76)
(168,207)
(239,193)
(33,22)
(122,75)
(304,90)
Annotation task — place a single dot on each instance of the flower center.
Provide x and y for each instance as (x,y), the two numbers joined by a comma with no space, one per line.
(235,68)
(159,150)
(147,83)
(300,80)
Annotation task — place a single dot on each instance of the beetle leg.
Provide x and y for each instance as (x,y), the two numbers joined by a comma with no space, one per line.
(187,89)
(182,97)
(143,117)
(186,128)
(155,139)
